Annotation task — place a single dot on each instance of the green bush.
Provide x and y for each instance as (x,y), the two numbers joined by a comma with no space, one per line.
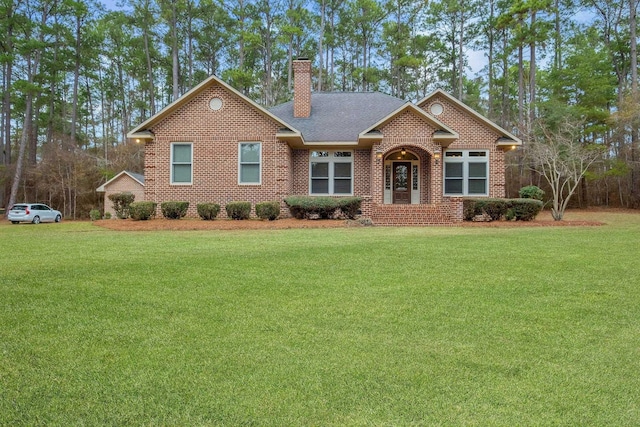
(174,210)
(94,214)
(208,211)
(469,209)
(302,207)
(107,215)
(350,206)
(238,210)
(121,202)
(268,210)
(494,208)
(142,211)
(525,209)
(531,192)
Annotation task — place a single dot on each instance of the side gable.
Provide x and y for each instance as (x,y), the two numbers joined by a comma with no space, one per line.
(466,120)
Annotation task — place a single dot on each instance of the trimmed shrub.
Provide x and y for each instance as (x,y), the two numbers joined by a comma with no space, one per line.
(296,206)
(142,211)
(208,211)
(94,214)
(304,207)
(324,207)
(121,202)
(469,209)
(493,208)
(531,192)
(107,215)
(238,210)
(174,210)
(525,209)
(350,206)
(268,210)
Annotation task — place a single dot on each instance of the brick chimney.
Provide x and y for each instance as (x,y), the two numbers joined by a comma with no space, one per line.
(301,87)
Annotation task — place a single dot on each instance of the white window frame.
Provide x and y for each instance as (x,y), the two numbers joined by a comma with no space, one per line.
(331,160)
(465,159)
(190,163)
(241,163)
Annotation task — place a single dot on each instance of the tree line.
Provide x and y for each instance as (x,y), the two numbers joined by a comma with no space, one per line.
(77,76)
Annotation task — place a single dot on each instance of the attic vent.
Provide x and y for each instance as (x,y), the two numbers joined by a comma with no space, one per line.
(437,109)
(215,104)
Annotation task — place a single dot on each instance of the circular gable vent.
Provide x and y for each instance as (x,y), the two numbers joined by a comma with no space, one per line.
(215,104)
(437,109)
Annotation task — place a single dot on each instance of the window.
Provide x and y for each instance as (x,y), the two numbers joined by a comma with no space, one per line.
(249,171)
(181,163)
(466,173)
(331,172)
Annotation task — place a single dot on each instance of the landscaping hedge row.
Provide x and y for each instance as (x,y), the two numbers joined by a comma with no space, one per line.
(495,209)
(125,207)
(305,207)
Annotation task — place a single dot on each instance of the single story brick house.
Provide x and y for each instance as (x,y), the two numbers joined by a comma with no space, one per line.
(124,182)
(410,163)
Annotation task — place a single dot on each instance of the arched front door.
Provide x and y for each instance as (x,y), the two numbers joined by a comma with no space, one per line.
(401,182)
(401,178)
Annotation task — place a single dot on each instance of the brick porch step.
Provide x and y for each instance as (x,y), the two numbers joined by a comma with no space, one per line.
(435,214)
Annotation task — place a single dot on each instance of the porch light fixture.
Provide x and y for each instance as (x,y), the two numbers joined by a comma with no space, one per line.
(378,154)
(436,156)
(403,151)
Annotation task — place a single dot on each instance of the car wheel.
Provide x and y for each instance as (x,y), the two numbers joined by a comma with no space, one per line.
(58,218)
(36,219)
(15,222)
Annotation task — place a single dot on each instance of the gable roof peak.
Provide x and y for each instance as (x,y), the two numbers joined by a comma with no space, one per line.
(439,92)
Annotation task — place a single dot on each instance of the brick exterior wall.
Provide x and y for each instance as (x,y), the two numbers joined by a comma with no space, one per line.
(215,136)
(473,135)
(302,88)
(124,183)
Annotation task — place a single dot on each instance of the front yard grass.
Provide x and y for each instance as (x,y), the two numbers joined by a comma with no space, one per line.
(356,326)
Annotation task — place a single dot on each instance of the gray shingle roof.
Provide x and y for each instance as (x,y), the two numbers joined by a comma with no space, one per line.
(339,116)
(137,176)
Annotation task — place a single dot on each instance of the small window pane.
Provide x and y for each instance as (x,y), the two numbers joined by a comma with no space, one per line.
(387,177)
(181,173)
(319,154)
(453,186)
(453,154)
(342,170)
(250,153)
(342,154)
(342,186)
(478,154)
(453,170)
(182,153)
(319,186)
(477,186)
(477,170)
(249,173)
(320,170)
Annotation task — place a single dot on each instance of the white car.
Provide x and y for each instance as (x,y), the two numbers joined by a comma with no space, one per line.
(33,212)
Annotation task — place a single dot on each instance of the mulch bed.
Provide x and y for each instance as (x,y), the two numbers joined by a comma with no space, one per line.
(543,220)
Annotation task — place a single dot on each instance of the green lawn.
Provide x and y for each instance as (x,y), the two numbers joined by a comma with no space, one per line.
(356,326)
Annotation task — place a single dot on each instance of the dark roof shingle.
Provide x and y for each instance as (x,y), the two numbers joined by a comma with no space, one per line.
(339,116)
